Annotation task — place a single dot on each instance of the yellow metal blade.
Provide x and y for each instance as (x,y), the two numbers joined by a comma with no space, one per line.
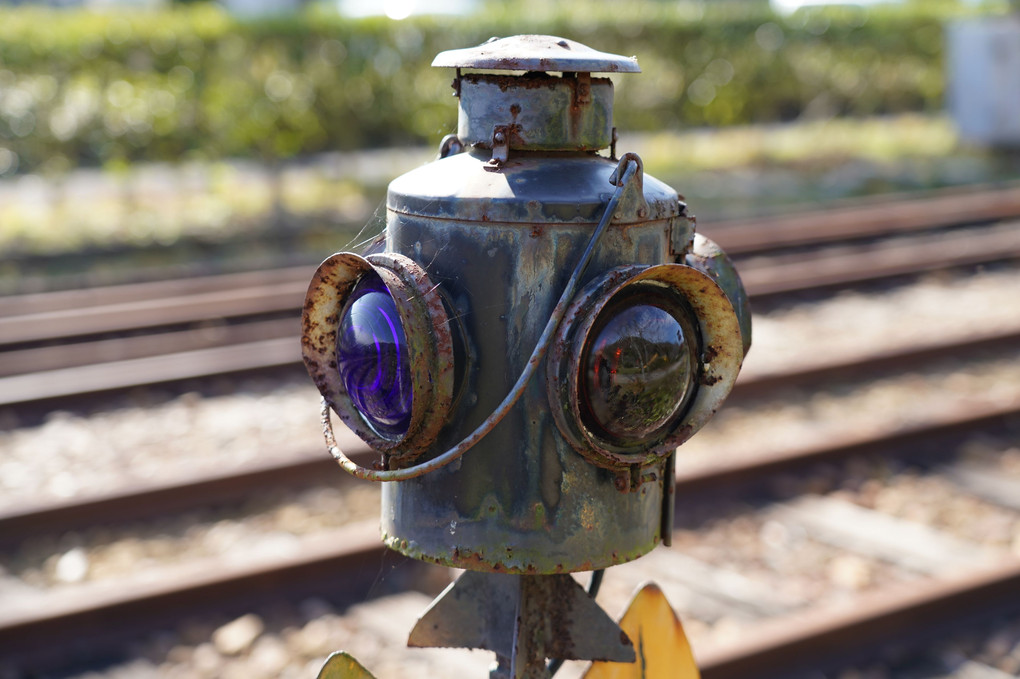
(663,651)
(342,665)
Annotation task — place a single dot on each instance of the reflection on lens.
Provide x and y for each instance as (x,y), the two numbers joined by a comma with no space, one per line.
(371,356)
(638,370)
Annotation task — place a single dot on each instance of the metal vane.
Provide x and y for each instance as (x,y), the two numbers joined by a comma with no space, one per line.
(664,653)
(479,611)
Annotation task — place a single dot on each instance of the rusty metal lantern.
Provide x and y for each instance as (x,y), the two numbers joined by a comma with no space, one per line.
(540,333)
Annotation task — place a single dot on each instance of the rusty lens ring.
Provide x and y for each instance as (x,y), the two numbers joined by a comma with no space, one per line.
(614,321)
(719,358)
(426,330)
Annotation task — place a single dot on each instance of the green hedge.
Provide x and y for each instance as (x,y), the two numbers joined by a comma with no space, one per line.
(84,88)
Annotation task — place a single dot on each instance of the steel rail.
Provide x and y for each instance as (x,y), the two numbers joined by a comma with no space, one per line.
(793,274)
(42,630)
(97,377)
(883,217)
(905,616)
(75,354)
(152,313)
(78,298)
(145,501)
(882,362)
(921,442)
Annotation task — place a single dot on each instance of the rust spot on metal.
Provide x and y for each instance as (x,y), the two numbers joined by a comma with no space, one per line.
(532,81)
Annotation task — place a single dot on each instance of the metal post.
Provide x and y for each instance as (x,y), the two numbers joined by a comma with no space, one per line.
(528,661)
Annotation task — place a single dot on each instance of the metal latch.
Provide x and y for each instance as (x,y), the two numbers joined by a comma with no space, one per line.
(500,145)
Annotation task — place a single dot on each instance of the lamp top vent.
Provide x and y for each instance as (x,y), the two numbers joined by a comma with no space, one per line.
(536,53)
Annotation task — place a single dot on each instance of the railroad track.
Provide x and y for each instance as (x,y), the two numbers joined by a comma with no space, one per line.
(962,581)
(344,562)
(787,635)
(69,344)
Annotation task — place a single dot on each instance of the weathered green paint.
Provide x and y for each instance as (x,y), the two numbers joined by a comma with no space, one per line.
(500,245)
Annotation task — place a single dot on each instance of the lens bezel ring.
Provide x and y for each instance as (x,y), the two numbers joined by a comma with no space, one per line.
(629,297)
(719,358)
(426,328)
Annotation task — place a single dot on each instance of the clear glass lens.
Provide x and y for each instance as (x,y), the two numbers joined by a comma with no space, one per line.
(638,370)
(371,357)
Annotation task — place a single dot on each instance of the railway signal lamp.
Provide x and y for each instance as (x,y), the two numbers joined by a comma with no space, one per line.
(541,331)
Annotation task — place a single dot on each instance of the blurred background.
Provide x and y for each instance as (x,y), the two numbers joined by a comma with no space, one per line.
(133,124)
(226,148)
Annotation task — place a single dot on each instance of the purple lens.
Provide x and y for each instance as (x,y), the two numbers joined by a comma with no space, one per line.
(371,357)
(637,372)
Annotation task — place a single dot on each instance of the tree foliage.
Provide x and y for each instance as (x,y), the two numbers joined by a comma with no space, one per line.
(85,88)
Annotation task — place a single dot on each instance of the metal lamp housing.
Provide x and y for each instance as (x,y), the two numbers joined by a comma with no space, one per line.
(479,246)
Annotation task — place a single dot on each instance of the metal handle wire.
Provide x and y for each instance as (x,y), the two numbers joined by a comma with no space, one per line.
(625,172)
